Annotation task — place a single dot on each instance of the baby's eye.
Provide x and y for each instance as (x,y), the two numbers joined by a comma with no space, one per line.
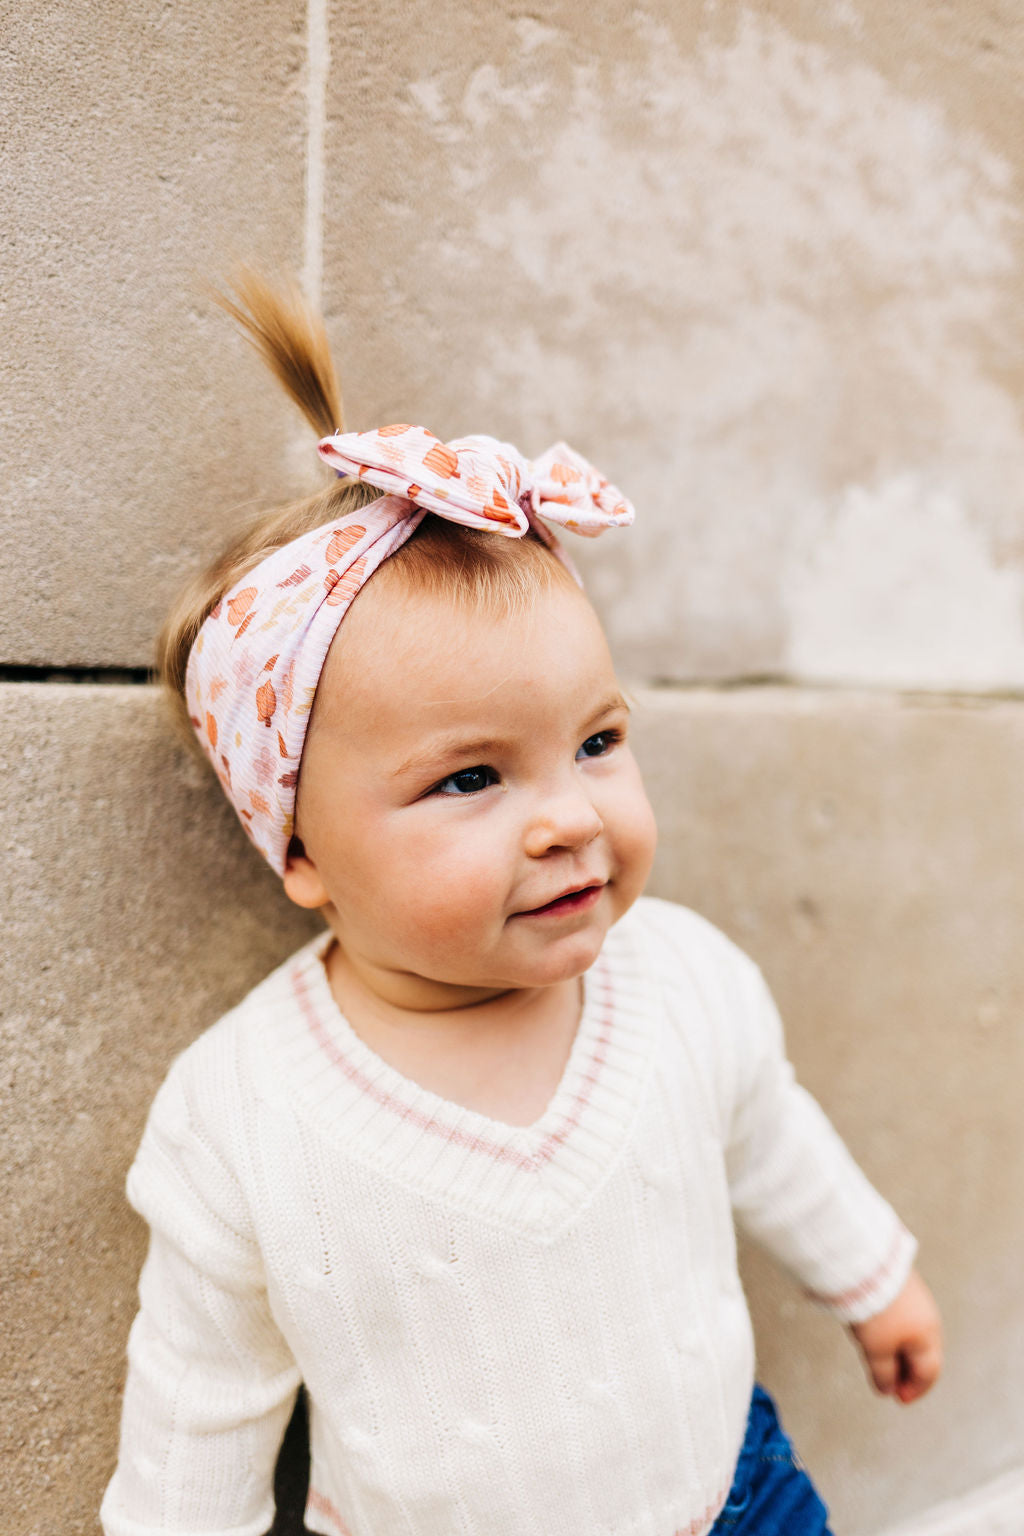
(468,781)
(600,743)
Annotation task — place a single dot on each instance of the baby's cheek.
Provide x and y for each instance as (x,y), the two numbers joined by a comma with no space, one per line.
(636,838)
(455,893)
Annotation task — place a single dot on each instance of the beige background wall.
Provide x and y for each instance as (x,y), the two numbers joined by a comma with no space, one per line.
(762,263)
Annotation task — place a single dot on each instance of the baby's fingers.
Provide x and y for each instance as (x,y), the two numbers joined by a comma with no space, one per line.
(905,1373)
(884,1369)
(918,1367)
(902,1344)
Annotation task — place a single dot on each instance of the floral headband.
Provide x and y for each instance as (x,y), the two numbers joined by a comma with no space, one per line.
(254,667)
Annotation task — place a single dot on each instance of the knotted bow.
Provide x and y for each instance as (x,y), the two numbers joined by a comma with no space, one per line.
(255,664)
(481,482)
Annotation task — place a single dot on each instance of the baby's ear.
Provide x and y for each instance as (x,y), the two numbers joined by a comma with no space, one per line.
(302,883)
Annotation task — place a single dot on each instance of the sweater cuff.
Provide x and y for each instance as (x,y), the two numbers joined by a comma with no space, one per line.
(874,1293)
(114,1523)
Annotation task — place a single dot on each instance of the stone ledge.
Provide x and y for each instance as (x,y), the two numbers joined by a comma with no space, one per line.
(994,1510)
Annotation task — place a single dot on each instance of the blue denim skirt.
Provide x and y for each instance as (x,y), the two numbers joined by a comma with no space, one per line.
(771,1494)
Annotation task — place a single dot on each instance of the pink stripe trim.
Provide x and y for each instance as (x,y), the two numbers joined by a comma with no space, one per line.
(701,1524)
(860,1292)
(471,1142)
(589,1080)
(319,1504)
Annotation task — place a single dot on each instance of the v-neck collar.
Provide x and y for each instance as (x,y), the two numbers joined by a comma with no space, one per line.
(530,1177)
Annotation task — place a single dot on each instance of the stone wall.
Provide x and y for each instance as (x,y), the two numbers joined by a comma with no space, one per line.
(762,263)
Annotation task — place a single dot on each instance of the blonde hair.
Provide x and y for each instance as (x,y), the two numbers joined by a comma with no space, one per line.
(457,564)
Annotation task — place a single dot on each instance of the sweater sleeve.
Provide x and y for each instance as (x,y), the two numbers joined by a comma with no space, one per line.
(795,1188)
(211,1381)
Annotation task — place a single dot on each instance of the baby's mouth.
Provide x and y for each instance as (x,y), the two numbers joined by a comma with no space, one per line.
(576,900)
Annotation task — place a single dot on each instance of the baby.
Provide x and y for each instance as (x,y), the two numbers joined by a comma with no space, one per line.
(466,1165)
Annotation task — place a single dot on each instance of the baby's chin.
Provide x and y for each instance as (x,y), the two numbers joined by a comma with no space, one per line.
(564,962)
(479,985)
(523,957)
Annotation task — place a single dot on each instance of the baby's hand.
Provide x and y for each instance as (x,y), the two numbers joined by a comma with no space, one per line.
(902,1346)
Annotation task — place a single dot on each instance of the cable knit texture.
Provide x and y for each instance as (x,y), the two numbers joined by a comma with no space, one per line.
(503,1331)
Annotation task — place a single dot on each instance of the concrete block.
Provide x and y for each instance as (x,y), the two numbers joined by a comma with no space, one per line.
(867,851)
(761,264)
(144,150)
(135,913)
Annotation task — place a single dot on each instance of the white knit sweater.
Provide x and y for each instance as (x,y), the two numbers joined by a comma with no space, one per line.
(503,1331)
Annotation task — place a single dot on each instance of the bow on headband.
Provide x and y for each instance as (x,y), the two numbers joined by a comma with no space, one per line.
(253,669)
(481,482)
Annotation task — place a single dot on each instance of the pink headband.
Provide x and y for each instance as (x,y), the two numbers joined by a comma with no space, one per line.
(254,667)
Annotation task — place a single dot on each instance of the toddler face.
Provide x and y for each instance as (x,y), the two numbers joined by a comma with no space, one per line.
(470,811)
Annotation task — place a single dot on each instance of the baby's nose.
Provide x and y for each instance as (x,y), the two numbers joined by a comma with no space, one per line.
(569,820)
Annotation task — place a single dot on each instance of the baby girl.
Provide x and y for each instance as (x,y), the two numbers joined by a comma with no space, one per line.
(467,1165)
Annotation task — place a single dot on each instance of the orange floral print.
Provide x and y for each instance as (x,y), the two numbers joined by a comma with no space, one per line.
(343,588)
(266,702)
(445,461)
(343,539)
(296,577)
(240,604)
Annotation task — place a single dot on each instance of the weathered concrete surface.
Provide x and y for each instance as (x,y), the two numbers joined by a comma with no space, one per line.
(870,854)
(867,852)
(135,913)
(761,263)
(992,1510)
(143,149)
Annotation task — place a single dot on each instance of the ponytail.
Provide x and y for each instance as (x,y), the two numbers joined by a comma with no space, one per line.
(290,338)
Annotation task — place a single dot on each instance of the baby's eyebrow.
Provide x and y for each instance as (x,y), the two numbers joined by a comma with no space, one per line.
(438,752)
(614,701)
